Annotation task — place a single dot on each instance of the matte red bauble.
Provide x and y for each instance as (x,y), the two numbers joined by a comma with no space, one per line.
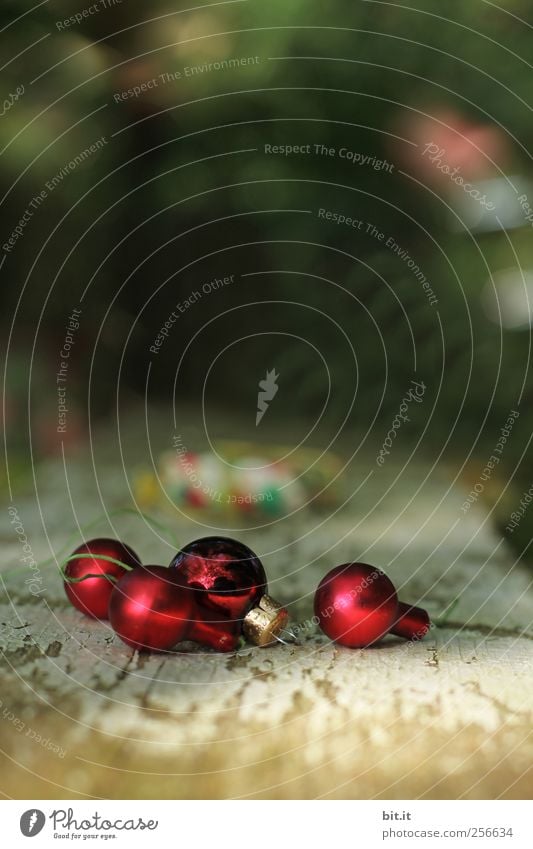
(91,595)
(229,585)
(356,605)
(150,610)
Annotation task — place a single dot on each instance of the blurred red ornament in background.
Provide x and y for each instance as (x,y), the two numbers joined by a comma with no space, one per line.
(470,147)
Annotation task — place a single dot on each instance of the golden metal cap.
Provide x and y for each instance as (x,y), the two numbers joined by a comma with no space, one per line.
(264,622)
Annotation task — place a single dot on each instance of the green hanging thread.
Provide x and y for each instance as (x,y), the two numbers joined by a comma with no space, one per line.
(70,580)
(92,557)
(443,617)
(120,511)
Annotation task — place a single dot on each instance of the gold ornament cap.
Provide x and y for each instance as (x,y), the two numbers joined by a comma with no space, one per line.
(263,623)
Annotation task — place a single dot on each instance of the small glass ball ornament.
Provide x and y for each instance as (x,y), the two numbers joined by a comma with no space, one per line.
(230,590)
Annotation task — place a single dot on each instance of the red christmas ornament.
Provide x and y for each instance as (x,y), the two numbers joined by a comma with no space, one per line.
(357,604)
(150,609)
(229,585)
(91,595)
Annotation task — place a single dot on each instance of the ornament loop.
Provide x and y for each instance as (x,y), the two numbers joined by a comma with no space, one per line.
(263,624)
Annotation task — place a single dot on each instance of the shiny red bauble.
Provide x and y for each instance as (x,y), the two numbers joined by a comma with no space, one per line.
(357,604)
(227,580)
(92,595)
(150,609)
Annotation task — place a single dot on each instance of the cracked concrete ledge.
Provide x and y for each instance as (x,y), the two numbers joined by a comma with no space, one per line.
(82,716)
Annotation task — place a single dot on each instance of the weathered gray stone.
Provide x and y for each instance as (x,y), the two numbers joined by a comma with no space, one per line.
(450,716)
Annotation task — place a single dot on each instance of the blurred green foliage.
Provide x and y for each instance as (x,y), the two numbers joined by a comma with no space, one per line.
(170,203)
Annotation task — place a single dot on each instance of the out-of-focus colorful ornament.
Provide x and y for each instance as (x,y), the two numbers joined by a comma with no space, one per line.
(251,480)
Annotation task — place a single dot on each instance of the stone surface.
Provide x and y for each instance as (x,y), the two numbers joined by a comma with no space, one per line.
(83,716)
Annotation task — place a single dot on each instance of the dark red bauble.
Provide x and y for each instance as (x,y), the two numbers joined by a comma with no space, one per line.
(228,580)
(357,604)
(91,596)
(150,610)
